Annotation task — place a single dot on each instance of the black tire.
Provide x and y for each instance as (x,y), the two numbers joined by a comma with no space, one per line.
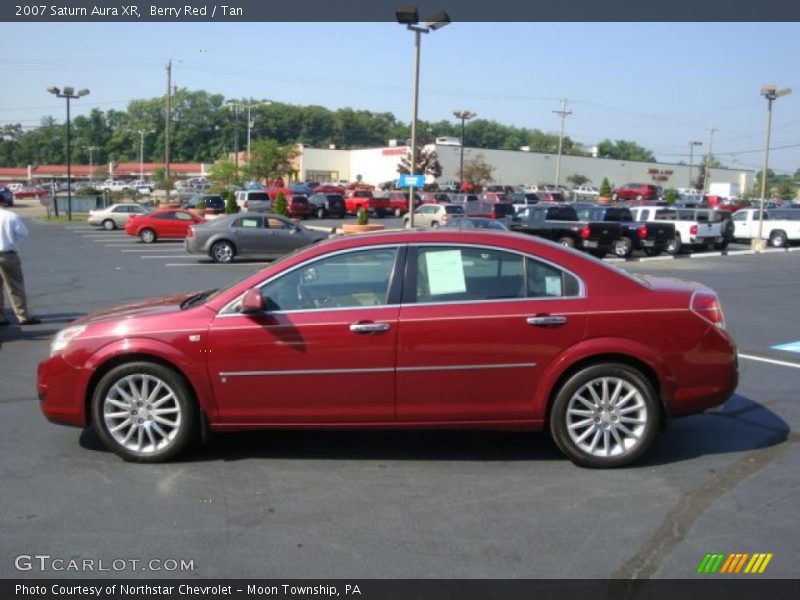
(109,225)
(674,245)
(434,224)
(599,418)
(778,239)
(147,235)
(398,212)
(407,223)
(182,404)
(222,252)
(566,241)
(623,247)
(321,212)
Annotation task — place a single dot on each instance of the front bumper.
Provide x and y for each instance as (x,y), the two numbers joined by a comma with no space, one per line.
(60,388)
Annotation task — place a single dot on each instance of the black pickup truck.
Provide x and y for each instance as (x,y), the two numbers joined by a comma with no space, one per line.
(651,237)
(560,223)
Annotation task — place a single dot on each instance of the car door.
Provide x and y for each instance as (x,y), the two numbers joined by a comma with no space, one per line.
(283,235)
(743,224)
(323,352)
(478,327)
(249,234)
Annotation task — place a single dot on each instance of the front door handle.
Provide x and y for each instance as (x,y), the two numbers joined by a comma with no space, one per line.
(369,327)
(547,321)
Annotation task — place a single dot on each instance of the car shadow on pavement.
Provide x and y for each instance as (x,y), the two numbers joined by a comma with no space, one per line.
(742,425)
(13,331)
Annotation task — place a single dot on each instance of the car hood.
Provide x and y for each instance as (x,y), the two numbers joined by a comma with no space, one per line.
(146,307)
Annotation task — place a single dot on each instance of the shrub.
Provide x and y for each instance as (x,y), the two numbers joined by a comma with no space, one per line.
(362,217)
(670,196)
(280,207)
(605,188)
(230,202)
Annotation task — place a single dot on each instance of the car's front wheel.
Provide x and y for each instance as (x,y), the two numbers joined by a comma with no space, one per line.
(321,212)
(223,252)
(567,242)
(148,236)
(109,225)
(605,416)
(777,239)
(144,412)
(674,245)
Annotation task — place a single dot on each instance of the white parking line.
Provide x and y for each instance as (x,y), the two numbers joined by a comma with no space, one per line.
(772,361)
(651,258)
(705,254)
(171,256)
(740,252)
(177,250)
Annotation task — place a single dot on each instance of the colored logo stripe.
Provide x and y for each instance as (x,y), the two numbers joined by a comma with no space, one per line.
(734,563)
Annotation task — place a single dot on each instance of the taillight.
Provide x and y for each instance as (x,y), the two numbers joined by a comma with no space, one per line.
(706,305)
(642,233)
(693,229)
(584,232)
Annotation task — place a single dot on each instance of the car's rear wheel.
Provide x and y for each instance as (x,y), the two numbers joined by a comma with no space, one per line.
(148,236)
(674,245)
(777,239)
(223,252)
(623,247)
(144,412)
(398,212)
(109,225)
(567,242)
(321,212)
(605,416)
(434,224)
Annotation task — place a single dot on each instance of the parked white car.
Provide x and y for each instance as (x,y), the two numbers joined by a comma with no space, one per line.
(781,225)
(585,192)
(113,185)
(116,215)
(435,215)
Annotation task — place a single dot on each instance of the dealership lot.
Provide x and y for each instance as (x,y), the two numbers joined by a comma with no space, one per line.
(399,504)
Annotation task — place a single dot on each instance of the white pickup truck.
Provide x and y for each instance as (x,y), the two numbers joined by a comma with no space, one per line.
(688,230)
(113,185)
(781,225)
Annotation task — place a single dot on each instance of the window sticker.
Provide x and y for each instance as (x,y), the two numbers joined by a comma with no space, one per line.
(552,285)
(445,272)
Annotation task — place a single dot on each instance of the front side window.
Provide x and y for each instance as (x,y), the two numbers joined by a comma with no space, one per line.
(356,279)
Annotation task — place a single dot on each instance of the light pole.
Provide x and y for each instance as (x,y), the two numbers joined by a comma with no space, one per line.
(91,164)
(69,93)
(235,107)
(771,93)
(250,123)
(563,113)
(407,15)
(691,160)
(141,133)
(464,115)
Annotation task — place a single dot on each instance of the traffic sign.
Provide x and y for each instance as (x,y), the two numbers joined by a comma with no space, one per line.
(411,181)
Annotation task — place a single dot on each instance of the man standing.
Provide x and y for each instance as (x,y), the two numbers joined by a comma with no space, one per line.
(12,230)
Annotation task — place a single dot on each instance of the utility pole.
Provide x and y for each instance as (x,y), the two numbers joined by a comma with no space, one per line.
(708,158)
(166,130)
(563,113)
(691,161)
(91,164)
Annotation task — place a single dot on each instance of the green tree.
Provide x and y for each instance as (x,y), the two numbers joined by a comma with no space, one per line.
(362,218)
(230,202)
(478,171)
(671,195)
(624,150)
(223,173)
(280,207)
(427,163)
(605,188)
(270,160)
(577,179)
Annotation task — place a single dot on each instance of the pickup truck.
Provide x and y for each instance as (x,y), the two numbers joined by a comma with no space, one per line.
(689,232)
(357,199)
(650,237)
(781,225)
(112,185)
(398,202)
(560,223)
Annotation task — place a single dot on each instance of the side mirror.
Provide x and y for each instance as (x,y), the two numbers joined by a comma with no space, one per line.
(252,302)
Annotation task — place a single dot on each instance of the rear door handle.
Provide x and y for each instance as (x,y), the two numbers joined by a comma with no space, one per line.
(547,321)
(369,327)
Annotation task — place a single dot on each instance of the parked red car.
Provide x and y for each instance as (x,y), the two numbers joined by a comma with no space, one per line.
(31,191)
(402,329)
(398,202)
(358,199)
(297,206)
(166,223)
(329,188)
(635,191)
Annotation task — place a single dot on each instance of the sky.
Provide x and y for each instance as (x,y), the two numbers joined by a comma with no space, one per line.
(661,85)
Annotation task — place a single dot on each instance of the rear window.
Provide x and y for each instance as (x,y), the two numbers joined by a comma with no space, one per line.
(503,209)
(257,196)
(458,210)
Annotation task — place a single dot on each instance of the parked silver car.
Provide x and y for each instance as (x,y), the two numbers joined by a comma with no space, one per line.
(251,235)
(435,215)
(116,215)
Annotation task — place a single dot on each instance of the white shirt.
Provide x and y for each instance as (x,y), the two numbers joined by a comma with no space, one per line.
(12,230)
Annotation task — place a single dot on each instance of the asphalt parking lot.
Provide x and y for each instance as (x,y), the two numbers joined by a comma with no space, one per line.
(397,504)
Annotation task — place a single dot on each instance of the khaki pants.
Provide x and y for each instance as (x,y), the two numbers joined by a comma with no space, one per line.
(11,279)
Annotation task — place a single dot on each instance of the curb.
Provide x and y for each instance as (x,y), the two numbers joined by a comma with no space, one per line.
(702,255)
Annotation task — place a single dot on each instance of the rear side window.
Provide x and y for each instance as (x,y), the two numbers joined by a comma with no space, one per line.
(456,210)
(249,222)
(503,209)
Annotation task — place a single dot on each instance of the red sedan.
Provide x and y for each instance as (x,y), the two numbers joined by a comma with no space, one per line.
(403,330)
(170,224)
(31,192)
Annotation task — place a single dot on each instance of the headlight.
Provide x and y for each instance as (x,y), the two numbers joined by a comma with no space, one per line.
(64,337)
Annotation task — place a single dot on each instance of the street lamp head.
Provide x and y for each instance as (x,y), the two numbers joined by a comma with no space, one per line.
(769,90)
(68,90)
(464,114)
(439,20)
(53,89)
(406,14)
(783,92)
(83,92)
